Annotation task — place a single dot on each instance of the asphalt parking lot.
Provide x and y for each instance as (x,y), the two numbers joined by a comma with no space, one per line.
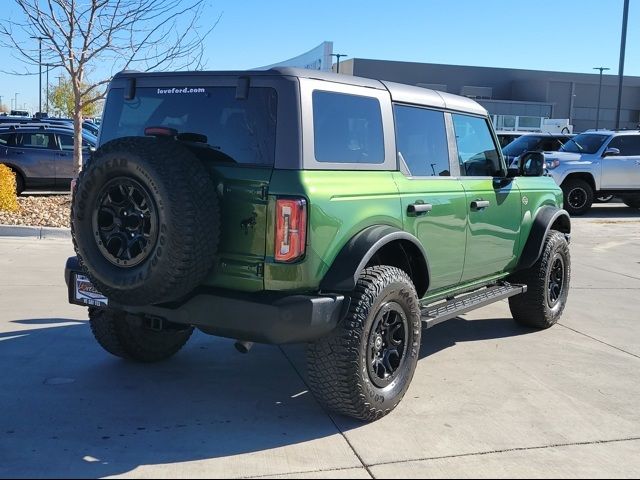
(489,398)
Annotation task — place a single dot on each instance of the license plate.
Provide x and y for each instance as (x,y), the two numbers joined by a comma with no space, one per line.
(84,293)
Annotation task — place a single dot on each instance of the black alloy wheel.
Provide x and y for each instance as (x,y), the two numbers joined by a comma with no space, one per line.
(387,344)
(556,281)
(577,198)
(125,222)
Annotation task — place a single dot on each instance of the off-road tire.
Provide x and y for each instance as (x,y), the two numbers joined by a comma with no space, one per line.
(632,202)
(183,204)
(533,308)
(339,375)
(125,336)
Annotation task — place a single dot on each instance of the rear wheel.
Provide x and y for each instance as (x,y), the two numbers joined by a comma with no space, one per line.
(547,285)
(578,196)
(133,337)
(365,366)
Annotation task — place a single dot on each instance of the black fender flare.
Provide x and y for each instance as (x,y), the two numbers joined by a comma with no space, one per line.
(356,253)
(546,217)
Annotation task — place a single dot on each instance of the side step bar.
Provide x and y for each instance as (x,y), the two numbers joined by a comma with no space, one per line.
(440,312)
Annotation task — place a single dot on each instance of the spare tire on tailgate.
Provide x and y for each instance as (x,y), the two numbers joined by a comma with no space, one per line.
(145,220)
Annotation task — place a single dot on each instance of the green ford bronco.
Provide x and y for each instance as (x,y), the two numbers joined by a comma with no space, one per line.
(294,206)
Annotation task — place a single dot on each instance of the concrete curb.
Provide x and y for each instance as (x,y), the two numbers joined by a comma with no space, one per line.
(35,232)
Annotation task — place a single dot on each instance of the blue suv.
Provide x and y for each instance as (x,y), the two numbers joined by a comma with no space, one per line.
(41,155)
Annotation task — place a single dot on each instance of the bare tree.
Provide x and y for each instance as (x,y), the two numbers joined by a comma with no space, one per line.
(84,36)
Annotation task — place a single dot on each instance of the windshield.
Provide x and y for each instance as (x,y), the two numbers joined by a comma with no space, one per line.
(521,145)
(242,129)
(584,143)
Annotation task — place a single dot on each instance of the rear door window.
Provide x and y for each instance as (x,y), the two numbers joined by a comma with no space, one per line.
(243,130)
(347,128)
(36,140)
(477,152)
(421,139)
(66,142)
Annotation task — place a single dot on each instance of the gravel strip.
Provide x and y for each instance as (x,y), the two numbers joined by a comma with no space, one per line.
(40,211)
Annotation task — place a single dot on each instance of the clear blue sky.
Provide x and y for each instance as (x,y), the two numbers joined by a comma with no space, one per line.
(569,35)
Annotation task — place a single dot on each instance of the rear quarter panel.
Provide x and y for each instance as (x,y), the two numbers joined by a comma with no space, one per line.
(340,204)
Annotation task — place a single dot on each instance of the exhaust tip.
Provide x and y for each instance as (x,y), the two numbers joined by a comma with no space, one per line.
(243,347)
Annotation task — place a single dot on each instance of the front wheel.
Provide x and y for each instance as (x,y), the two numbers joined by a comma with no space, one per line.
(364,367)
(547,285)
(578,196)
(132,337)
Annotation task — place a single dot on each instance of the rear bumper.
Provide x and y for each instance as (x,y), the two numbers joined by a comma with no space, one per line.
(265,317)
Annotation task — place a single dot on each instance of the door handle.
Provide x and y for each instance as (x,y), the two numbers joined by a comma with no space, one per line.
(480,204)
(416,209)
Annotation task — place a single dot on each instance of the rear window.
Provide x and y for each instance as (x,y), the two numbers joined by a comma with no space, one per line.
(347,128)
(242,129)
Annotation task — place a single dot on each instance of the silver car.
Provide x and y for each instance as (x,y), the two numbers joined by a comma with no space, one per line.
(596,164)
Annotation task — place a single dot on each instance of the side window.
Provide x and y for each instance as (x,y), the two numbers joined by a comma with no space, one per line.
(347,128)
(629,145)
(36,140)
(421,138)
(5,140)
(66,142)
(477,152)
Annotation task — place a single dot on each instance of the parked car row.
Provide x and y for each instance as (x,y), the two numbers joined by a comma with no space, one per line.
(41,154)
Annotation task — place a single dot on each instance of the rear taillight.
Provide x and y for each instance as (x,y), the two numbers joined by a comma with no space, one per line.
(291,229)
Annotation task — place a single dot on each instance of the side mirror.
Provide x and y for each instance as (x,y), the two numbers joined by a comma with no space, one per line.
(531,164)
(611,152)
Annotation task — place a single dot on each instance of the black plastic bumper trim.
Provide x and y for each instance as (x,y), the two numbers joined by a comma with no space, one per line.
(265,317)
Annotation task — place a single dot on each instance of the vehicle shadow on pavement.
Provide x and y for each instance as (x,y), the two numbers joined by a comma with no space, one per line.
(71,410)
(458,330)
(68,409)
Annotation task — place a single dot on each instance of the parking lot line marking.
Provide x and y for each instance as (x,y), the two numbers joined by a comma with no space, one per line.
(610,271)
(599,341)
(508,450)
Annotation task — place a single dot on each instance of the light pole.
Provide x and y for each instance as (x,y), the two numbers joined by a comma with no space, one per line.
(15,103)
(338,56)
(599,93)
(623,45)
(48,65)
(40,69)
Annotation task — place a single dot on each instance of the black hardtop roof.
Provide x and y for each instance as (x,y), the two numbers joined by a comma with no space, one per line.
(399,92)
(277,72)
